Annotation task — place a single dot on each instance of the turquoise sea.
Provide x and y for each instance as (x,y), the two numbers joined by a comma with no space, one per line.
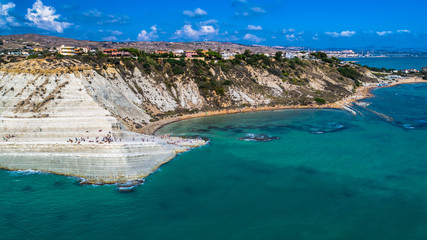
(330,175)
(398,63)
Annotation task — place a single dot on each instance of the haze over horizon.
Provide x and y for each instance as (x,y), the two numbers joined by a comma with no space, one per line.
(309,23)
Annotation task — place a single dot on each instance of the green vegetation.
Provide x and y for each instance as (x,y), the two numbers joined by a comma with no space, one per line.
(212,55)
(319,55)
(256,60)
(379,74)
(178,70)
(295,81)
(378,69)
(320,101)
(278,56)
(322,56)
(135,52)
(211,85)
(350,73)
(200,53)
(32,56)
(294,62)
(276,72)
(225,65)
(227,83)
(177,65)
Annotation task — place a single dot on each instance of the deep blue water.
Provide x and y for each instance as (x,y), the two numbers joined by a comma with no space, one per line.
(398,63)
(326,175)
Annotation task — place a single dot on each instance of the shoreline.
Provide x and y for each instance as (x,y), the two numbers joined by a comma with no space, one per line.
(361,93)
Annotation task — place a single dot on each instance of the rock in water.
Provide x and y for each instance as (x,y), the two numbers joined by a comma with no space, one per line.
(258,138)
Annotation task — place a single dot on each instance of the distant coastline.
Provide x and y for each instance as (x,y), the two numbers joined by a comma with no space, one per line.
(395,62)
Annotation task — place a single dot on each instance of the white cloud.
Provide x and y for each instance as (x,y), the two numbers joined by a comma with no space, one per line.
(205,32)
(315,37)
(253,38)
(383,33)
(294,37)
(93,13)
(148,36)
(44,17)
(143,36)
(403,31)
(112,19)
(210,21)
(110,38)
(116,33)
(333,34)
(5,18)
(341,34)
(196,13)
(101,18)
(347,33)
(253,27)
(187,31)
(290,37)
(258,10)
(291,30)
(207,29)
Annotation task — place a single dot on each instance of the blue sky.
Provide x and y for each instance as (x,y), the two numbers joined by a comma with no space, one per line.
(311,23)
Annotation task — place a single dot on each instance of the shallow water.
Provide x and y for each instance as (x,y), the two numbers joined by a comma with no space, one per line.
(329,175)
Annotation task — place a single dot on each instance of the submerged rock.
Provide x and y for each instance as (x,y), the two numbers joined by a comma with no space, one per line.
(126,189)
(320,128)
(258,138)
(129,186)
(413,123)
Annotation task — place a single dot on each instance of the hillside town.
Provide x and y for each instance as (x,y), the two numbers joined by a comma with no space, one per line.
(33,49)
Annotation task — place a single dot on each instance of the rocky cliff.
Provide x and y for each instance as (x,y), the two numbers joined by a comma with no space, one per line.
(137,94)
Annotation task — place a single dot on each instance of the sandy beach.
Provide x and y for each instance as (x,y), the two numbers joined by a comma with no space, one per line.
(361,93)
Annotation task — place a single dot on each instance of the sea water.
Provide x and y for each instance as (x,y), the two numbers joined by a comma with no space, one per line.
(322,174)
(397,63)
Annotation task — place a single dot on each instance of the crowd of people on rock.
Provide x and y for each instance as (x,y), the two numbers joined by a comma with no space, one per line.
(7,137)
(181,140)
(100,140)
(177,140)
(107,139)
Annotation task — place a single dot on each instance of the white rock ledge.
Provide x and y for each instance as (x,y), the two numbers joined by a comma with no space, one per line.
(97,163)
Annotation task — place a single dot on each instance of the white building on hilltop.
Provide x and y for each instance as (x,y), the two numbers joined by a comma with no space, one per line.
(67,50)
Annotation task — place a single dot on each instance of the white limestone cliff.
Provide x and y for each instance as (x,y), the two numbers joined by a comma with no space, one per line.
(40,112)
